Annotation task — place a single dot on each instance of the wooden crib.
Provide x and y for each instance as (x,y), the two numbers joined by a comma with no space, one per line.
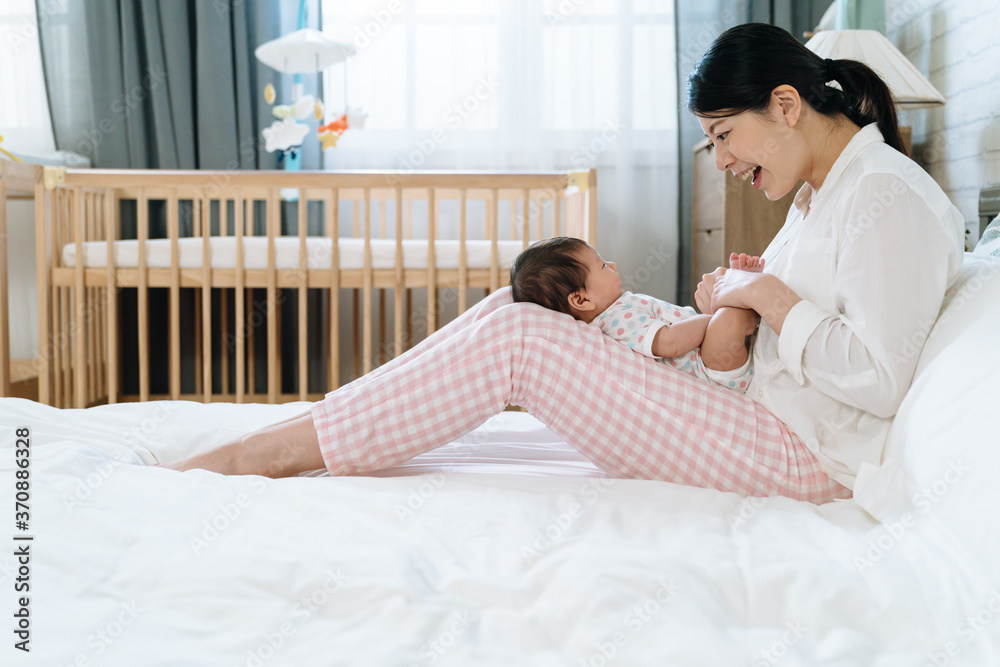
(231,237)
(18,181)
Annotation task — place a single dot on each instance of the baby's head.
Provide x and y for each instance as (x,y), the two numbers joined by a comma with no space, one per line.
(567,275)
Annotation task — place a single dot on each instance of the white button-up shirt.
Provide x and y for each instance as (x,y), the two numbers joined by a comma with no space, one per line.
(871,253)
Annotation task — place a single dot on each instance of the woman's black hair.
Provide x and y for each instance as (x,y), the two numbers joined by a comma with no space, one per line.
(746,63)
(548,271)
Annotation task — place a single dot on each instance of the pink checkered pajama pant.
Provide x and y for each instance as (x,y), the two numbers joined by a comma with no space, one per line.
(630,415)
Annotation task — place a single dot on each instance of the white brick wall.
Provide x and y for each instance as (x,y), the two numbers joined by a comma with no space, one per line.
(956,45)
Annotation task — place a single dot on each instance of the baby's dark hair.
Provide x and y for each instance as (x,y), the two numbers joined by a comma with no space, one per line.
(548,271)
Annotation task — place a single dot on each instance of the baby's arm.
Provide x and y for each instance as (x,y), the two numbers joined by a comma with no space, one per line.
(681,337)
(745,262)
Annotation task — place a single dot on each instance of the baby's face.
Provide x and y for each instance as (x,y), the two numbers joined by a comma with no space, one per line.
(604,285)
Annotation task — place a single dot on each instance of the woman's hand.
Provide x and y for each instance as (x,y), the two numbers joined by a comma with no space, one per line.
(703,295)
(732,288)
(762,292)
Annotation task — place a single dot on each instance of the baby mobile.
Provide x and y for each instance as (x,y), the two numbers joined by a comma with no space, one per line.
(10,155)
(305,51)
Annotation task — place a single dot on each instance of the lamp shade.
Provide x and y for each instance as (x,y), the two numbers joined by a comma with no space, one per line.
(303,52)
(909,88)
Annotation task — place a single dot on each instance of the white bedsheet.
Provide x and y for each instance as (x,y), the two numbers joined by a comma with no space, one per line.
(318,250)
(134,565)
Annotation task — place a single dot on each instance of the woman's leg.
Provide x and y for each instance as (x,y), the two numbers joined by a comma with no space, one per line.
(283,449)
(630,415)
(289,447)
(501,297)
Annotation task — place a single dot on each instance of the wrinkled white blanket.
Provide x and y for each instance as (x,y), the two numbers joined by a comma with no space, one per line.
(535,560)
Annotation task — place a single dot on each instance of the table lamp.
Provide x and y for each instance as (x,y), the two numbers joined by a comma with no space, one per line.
(909,88)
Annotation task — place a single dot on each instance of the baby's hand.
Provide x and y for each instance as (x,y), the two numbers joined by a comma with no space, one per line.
(745,262)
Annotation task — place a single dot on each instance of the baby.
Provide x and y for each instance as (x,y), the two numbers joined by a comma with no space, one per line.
(568,275)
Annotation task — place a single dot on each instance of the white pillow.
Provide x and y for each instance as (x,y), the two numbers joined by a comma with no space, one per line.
(989,242)
(942,456)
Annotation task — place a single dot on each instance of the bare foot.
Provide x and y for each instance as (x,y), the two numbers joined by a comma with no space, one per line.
(284,449)
(222,459)
(745,262)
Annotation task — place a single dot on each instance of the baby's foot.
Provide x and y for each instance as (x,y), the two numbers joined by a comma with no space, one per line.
(745,262)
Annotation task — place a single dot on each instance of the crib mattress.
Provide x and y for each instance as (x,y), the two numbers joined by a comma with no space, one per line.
(318,251)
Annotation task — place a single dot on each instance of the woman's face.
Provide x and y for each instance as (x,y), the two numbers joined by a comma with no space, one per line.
(757,148)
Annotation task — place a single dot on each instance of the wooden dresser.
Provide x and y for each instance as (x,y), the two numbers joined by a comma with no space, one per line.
(728,215)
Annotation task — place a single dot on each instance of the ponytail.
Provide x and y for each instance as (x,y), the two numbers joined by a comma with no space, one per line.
(866,99)
(747,62)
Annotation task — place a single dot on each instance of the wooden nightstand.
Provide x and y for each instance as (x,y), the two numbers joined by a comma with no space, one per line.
(728,215)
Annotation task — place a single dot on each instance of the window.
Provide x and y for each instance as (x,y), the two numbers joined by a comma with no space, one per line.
(503,76)
(521,84)
(24,114)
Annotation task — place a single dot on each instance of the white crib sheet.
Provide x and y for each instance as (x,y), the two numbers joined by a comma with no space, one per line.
(318,250)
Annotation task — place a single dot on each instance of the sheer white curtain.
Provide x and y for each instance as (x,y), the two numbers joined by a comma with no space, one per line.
(24,114)
(26,128)
(523,84)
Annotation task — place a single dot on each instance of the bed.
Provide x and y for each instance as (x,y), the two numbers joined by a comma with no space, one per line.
(336,256)
(507,548)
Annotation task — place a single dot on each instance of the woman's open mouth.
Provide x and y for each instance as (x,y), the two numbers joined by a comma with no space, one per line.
(754,172)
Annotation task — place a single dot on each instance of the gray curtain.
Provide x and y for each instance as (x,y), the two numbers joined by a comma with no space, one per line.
(168,84)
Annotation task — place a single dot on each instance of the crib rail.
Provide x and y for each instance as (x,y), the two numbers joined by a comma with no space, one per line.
(18,181)
(91,214)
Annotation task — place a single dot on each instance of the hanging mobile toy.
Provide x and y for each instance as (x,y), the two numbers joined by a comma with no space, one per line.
(305,51)
(10,155)
(339,125)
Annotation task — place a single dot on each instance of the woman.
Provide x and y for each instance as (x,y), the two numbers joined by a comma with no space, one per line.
(857,274)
